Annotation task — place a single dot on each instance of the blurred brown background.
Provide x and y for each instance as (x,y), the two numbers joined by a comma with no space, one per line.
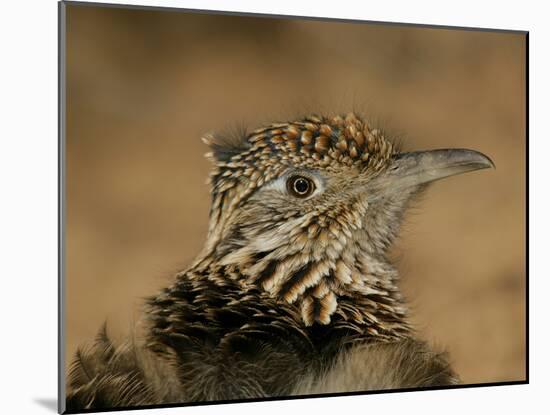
(143,86)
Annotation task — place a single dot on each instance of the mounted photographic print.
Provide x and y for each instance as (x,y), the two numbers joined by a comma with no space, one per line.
(258,207)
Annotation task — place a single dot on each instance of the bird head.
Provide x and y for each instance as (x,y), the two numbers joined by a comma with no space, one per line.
(306,210)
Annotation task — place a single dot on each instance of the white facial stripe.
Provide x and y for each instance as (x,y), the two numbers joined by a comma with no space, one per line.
(278,184)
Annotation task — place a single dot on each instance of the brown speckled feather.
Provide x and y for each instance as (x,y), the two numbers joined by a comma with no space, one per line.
(293,292)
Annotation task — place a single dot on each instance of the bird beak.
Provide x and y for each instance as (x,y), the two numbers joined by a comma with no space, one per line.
(409,170)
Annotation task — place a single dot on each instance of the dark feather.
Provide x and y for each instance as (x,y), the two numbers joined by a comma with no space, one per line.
(227,144)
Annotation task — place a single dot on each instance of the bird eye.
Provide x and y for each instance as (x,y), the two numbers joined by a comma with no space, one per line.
(300,186)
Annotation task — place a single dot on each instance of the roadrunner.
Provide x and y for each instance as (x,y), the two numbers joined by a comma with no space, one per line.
(293,292)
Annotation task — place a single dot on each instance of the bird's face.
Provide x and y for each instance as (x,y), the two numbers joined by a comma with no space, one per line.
(306,210)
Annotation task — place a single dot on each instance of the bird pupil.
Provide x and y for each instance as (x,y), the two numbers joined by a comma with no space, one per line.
(301,186)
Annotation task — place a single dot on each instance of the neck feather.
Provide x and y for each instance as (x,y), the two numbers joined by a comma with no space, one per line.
(339,281)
